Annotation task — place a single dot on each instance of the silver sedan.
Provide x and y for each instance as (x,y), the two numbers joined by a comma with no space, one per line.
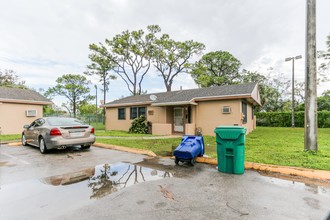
(57,133)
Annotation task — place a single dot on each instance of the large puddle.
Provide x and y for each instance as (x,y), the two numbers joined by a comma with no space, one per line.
(294,182)
(73,190)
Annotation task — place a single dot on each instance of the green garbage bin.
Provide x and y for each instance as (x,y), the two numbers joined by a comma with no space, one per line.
(230,148)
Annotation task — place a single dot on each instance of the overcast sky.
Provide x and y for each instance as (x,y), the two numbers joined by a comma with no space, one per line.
(42,40)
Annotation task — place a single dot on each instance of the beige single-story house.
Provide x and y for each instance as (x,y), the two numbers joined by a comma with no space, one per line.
(19,107)
(188,111)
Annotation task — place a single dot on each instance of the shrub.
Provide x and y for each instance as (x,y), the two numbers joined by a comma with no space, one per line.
(140,125)
(283,119)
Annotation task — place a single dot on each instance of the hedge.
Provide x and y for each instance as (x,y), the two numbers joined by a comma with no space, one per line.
(283,119)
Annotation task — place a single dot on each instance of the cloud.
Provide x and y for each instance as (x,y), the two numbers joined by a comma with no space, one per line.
(42,40)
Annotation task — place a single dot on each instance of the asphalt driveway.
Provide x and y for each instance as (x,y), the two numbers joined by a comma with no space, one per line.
(107,184)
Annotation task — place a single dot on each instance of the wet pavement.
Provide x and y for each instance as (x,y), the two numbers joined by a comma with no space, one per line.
(106,184)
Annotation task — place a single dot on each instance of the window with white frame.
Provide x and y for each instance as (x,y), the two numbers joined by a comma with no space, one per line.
(226,110)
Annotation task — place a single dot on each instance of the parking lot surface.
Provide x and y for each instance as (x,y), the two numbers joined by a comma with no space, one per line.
(106,184)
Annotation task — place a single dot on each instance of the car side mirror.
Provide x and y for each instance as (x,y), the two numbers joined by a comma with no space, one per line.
(26,126)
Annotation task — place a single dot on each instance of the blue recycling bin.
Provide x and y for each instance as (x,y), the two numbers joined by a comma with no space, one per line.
(190,148)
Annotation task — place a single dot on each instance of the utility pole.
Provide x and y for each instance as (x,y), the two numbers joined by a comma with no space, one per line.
(310,79)
(292,101)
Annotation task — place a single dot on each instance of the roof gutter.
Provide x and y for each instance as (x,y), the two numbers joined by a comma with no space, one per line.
(125,104)
(20,101)
(174,103)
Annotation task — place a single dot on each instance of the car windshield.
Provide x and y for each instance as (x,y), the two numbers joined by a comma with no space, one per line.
(64,121)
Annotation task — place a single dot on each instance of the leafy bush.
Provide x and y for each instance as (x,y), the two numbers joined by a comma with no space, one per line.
(140,126)
(283,119)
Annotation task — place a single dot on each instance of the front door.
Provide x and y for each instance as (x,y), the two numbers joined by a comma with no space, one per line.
(178,119)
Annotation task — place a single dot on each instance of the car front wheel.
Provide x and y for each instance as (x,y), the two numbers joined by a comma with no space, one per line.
(42,146)
(24,143)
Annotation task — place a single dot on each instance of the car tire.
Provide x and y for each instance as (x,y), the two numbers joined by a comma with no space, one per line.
(42,146)
(24,143)
(85,146)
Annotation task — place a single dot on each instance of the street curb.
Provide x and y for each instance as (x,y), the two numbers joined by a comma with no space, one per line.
(15,144)
(293,171)
(126,149)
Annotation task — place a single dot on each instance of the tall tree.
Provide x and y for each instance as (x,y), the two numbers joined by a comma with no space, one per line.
(273,89)
(131,51)
(9,78)
(101,65)
(216,69)
(172,57)
(74,88)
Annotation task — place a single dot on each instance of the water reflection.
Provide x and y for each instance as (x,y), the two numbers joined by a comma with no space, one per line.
(310,185)
(109,178)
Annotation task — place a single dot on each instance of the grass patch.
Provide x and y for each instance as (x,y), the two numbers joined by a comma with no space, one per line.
(285,146)
(119,134)
(98,125)
(10,137)
(161,147)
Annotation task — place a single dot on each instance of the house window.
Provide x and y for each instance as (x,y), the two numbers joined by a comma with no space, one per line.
(31,113)
(121,114)
(137,112)
(226,110)
(244,112)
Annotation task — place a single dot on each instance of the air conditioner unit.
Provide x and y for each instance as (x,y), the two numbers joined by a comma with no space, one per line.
(31,113)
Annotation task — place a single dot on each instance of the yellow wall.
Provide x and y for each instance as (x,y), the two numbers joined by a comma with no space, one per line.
(207,115)
(112,122)
(154,115)
(13,117)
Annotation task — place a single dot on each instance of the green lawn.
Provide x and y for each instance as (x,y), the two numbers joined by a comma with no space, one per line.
(119,134)
(10,137)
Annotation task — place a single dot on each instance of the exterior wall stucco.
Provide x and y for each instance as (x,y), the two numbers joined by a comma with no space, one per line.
(161,129)
(112,121)
(154,115)
(158,114)
(207,115)
(13,117)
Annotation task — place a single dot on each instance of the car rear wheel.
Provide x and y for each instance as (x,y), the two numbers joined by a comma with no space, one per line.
(24,143)
(85,146)
(42,146)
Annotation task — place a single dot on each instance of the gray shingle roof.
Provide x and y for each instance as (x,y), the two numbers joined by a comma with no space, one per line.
(25,95)
(188,95)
